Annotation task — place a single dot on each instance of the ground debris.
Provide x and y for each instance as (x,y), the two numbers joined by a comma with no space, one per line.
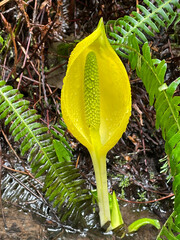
(20,226)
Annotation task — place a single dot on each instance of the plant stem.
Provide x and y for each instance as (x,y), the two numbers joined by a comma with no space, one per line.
(99,163)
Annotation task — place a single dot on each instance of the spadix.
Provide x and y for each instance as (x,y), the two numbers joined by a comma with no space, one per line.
(96,104)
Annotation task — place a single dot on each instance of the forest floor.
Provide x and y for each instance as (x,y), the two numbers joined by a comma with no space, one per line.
(33,62)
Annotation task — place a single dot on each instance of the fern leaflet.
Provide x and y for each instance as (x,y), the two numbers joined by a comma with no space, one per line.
(160,13)
(62,182)
(152,72)
(169,230)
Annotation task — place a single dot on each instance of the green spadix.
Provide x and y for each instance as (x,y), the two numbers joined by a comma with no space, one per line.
(96,104)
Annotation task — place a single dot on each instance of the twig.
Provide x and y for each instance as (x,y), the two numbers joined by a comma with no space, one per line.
(36,49)
(136,182)
(28,58)
(24,173)
(146,202)
(10,147)
(25,59)
(77,161)
(43,78)
(14,170)
(51,93)
(28,189)
(137,9)
(3,2)
(21,4)
(29,40)
(10,31)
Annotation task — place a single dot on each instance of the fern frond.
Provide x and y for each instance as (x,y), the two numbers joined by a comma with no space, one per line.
(24,127)
(62,183)
(143,25)
(152,72)
(60,189)
(169,230)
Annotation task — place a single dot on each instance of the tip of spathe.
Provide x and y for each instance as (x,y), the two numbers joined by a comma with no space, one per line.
(101,23)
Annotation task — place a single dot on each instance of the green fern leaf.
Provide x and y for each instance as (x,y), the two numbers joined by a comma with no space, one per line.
(152,73)
(147,23)
(169,230)
(62,153)
(62,193)
(62,185)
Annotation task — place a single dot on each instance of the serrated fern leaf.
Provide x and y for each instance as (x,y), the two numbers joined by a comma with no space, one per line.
(60,189)
(153,16)
(23,127)
(152,72)
(169,230)
(62,184)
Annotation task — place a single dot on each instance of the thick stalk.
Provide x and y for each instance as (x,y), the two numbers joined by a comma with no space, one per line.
(99,163)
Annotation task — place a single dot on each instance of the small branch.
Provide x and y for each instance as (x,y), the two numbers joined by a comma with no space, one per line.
(146,202)
(38,46)
(28,189)
(137,9)
(10,31)
(3,2)
(25,59)
(10,147)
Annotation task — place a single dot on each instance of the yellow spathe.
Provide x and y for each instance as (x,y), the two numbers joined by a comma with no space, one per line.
(115,95)
(96,104)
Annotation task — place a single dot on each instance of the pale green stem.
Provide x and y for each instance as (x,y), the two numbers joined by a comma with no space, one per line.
(99,163)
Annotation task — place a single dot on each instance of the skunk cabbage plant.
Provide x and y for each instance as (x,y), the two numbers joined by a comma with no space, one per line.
(96,104)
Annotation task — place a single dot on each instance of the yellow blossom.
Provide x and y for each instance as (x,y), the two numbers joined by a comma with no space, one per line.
(96,103)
